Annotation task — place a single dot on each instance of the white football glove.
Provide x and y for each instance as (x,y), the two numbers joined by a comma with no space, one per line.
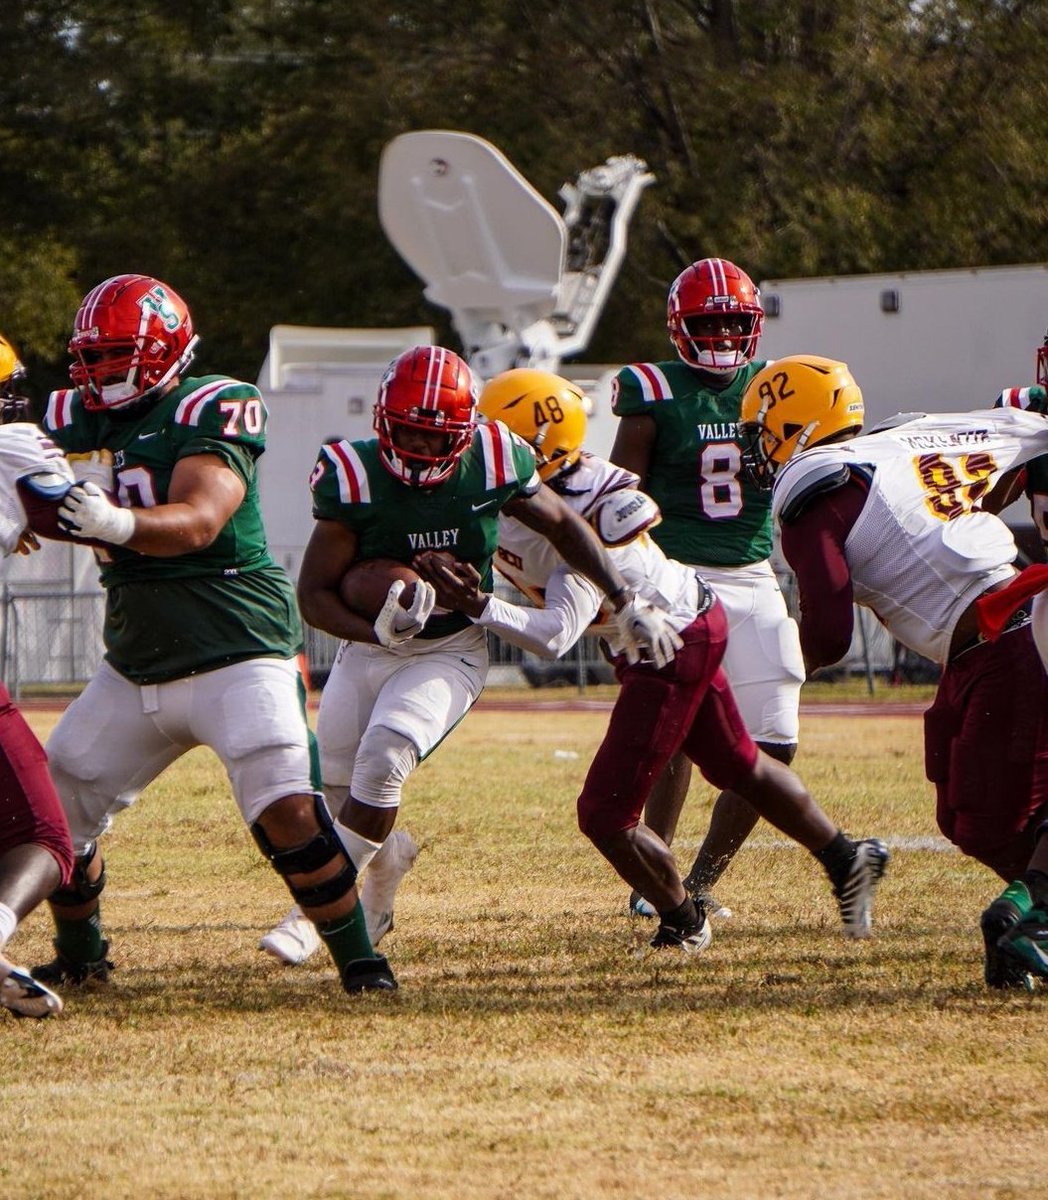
(396,625)
(87,512)
(646,633)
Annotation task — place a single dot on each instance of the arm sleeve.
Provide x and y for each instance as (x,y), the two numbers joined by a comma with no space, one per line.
(813,545)
(570,606)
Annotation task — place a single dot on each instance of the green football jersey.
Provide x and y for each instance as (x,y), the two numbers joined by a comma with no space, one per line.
(460,515)
(712,514)
(170,617)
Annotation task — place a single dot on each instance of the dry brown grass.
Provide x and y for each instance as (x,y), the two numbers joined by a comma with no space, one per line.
(529,1052)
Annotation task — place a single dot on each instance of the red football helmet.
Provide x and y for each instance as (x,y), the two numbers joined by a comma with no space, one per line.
(132,336)
(426,390)
(1042,363)
(714,315)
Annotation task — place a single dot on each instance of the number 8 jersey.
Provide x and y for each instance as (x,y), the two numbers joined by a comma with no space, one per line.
(244,601)
(712,514)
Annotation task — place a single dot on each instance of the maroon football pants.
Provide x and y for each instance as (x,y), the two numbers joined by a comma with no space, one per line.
(30,811)
(689,706)
(986,747)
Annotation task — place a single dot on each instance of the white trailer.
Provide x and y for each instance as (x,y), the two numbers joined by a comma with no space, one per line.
(927,341)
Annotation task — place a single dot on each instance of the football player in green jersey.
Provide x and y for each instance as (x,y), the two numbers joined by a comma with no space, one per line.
(201,628)
(433,479)
(679,433)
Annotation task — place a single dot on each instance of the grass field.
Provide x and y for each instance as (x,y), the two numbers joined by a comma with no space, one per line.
(530,1053)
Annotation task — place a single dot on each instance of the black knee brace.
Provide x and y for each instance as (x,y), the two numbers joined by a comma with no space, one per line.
(80,889)
(325,847)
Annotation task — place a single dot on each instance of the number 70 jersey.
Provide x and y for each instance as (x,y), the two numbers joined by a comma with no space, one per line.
(213,415)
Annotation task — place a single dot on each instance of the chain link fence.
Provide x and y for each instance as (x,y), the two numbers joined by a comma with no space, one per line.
(52,640)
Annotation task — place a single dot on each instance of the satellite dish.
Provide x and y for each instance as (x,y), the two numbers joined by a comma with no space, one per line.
(488,247)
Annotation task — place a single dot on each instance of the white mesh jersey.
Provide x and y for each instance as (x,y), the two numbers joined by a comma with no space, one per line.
(533,565)
(921,551)
(24,450)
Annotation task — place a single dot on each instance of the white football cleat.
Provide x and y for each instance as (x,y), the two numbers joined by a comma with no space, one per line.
(24,995)
(292,941)
(381,880)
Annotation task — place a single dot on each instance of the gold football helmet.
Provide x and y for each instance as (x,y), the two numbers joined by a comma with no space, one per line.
(792,404)
(547,411)
(14,404)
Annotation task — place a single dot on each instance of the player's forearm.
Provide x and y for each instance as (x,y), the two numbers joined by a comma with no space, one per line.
(170,530)
(324,610)
(538,630)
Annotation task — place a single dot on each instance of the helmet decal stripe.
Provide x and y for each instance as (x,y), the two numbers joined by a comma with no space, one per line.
(353,486)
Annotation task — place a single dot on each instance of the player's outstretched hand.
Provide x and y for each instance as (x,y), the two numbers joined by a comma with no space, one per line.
(646,633)
(397,624)
(87,512)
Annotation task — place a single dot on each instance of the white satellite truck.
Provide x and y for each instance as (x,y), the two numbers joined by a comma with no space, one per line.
(523,283)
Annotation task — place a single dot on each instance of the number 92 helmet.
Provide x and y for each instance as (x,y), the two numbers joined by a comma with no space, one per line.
(545,410)
(14,404)
(794,403)
(714,316)
(131,337)
(428,390)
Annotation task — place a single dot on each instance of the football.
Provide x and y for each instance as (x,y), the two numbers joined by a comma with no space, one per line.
(366,584)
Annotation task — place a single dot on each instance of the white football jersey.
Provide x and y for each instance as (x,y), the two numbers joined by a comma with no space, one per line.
(605,495)
(921,551)
(24,450)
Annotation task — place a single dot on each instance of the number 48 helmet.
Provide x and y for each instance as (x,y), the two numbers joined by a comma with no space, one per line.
(431,390)
(132,336)
(794,403)
(544,409)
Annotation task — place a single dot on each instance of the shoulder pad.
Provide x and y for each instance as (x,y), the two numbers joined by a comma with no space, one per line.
(340,467)
(1035,398)
(224,408)
(801,482)
(624,515)
(637,386)
(893,422)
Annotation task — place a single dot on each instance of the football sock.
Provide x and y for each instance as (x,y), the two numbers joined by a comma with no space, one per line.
(1037,882)
(81,940)
(684,916)
(347,938)
(360,849)
(8,924)
(837,857)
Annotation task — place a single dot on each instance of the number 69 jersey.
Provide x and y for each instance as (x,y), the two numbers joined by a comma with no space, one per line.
(921,550)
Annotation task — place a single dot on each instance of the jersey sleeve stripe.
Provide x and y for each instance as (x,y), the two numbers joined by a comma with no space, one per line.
(353,486)
(498,455)
(60,409)
(192,406)
(654,385)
